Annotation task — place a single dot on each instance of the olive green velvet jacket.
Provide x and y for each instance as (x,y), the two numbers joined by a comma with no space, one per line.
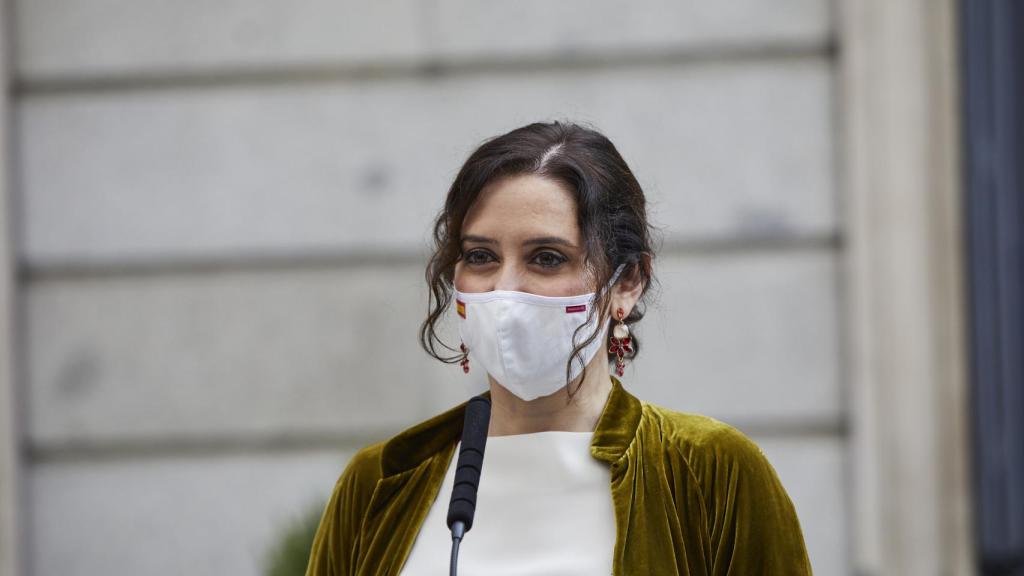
(692,496)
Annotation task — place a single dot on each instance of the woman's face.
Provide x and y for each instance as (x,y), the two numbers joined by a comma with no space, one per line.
(521,234)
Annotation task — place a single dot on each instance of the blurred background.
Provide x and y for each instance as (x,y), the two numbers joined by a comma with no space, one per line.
(215,221)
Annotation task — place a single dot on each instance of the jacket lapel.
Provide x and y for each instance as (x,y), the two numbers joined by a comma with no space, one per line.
(413,465)
(616,428)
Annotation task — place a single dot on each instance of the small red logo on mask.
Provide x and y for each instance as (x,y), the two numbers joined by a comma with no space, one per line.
(578,308)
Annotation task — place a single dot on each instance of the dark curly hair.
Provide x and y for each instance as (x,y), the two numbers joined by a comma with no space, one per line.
(611,212)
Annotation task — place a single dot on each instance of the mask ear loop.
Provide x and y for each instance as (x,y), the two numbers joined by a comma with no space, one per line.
(614,278)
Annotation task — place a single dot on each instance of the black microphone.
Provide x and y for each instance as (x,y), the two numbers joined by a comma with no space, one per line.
(467,471)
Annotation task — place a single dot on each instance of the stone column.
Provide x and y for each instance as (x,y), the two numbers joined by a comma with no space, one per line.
(9,454)
(905,273)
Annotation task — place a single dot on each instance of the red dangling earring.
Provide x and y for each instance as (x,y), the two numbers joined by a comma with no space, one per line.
(621,343)
(465,358)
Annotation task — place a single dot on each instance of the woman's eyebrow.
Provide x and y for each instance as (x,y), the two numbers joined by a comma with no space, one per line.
(530,242)
(549,240)
(480,239)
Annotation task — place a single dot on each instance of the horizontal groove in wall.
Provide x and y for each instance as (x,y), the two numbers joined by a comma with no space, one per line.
(95,451)
(134,449)
(428,68)
(268,262)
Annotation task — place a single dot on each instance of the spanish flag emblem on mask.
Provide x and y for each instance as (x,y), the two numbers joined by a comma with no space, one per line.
(460,307)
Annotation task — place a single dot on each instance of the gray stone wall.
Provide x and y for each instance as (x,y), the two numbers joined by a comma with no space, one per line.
(224,214)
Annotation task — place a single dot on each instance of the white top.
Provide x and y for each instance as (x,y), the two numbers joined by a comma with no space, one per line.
(544,506)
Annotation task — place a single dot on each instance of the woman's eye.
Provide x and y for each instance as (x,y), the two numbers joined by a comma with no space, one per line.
(476,257)
(549,259)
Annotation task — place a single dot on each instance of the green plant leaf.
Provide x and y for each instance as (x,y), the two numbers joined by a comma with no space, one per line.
(290,554)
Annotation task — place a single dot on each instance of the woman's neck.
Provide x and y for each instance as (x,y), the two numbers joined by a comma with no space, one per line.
(512,415)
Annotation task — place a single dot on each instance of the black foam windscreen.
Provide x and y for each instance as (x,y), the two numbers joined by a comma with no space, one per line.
(470,462)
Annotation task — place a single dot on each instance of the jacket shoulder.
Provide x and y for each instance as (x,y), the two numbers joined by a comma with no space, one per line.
(404,449)
(354,487)
(697,435)
(757,528)
(364,468)
(335,540)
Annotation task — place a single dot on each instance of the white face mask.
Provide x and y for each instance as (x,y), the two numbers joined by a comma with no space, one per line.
(524,340)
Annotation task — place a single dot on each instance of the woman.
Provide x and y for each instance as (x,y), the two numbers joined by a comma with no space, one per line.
(544,246)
